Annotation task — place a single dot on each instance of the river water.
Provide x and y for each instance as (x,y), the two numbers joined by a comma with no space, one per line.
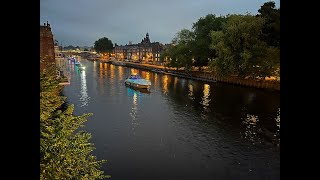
(182,129)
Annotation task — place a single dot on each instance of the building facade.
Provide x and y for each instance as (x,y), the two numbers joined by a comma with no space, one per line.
(46,43)
(144,52)
(47,54)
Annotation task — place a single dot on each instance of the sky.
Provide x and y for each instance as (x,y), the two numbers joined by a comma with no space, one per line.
(82,22)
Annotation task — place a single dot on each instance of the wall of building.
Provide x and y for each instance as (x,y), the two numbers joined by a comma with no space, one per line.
(145,51)
(46,43)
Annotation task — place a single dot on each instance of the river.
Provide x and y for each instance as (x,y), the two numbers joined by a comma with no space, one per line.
(182,129)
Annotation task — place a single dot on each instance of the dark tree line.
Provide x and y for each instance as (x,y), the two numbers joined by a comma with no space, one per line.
(243,45)
(103,45)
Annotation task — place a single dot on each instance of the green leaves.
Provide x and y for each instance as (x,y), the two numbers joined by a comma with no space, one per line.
(202,28)
(242,45)
(103,45)
(271,28)
(240,49)
(65,152)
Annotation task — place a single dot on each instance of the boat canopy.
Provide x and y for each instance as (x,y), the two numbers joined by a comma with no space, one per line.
(134,76)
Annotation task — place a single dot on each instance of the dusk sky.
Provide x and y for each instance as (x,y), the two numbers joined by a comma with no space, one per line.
(82,22)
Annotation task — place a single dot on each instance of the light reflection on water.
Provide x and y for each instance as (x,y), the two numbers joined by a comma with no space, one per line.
(136,96)
(134,111)
(165,84)
(84,98)
(251,131)
(190,94)
(206,93)
(278,127)
(202,130)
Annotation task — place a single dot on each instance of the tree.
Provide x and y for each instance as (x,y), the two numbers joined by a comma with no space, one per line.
(65,152)
(103,45)
(180,53)
(240,51)
(271,28)
(184,41)
(202,28)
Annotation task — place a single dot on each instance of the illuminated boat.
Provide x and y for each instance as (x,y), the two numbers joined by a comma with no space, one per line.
(118,63)
(136,81)
(81,67)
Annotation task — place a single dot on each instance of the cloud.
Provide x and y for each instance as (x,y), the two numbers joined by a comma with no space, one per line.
(82,22)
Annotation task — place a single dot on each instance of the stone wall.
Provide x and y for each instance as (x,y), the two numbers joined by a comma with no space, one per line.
(205,76)
(274,85)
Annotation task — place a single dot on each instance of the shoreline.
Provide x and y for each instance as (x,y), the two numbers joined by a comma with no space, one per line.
(204,76)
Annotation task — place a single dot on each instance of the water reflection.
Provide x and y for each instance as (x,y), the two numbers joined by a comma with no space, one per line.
(72,67)
(175,83)
(190,92)
(101,70)
(120,69)
(207,122)
(156,80)
(165,84)
(206,93)
(134,109)
(278,120)
(147,76)
(76,69)
(277,134)
(250,97)
(84,98)
(112,74)
(94,66)
(101,79)
(251,130)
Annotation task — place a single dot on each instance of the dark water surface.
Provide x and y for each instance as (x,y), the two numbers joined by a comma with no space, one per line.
(182,129)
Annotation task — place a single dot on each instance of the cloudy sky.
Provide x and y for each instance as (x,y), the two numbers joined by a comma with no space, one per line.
(82,22)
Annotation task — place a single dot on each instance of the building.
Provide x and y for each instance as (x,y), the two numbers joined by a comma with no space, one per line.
(46,43)
(57,49)
(144,52)
(47,54)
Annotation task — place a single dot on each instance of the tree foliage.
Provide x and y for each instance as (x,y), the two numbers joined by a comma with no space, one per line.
(240,50)
(180,53)
(242,45)
(103,45)
(202,28)
(65,151)
(271,28)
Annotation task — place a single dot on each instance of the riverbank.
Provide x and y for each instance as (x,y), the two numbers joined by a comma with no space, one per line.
(206,76)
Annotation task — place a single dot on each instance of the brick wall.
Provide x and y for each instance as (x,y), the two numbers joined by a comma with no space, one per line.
(46,43)
(46,46)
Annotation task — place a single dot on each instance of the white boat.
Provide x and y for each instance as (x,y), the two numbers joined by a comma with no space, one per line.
(81,67)
(136,81)
(118,63)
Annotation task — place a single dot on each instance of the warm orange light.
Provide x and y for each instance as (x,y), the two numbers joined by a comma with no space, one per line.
(165,84)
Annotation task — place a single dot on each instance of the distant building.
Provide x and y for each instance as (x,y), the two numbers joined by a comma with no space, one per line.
(57,49)
(46,46)
(145,51)
(46,43)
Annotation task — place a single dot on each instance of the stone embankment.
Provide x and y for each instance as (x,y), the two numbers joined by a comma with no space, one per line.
(208,77)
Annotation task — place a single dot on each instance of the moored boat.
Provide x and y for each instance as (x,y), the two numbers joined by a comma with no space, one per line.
(81,67)
(136,81)
(118,63)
